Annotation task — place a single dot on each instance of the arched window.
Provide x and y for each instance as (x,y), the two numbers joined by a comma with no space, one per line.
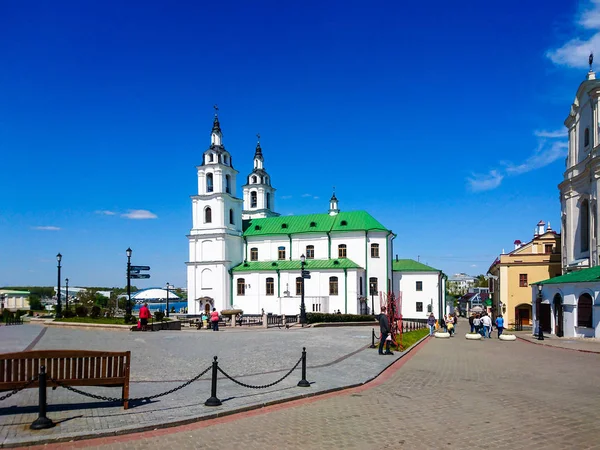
(209,182)
(270,286)
(299,286)
(254,254)
(281,253)
(231,216)
(342,251)
(268,200)
(374,250)
(333,286)
(373,286)
(241,286)
(254,179)
(584,226)
(360,287)
(253,201)
(310,252)
(207,215)
(584,311)
(586,137)
(266,180)
(228,184)
(225,159)
(211,157)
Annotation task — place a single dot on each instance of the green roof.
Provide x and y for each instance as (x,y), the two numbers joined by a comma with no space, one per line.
(581,276)
(311,264)
(410,265)
(312,223)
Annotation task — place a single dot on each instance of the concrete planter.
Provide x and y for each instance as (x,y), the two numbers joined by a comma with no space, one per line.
(473,336)
(442,335)
(508,337)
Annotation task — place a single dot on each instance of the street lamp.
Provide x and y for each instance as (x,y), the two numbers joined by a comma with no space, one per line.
(58,305)
(128,309)
(372,298)
(168,287)
(538,307)
(67,294)
(302,307)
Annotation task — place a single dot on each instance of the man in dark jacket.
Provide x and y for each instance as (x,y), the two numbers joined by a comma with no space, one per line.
(384,329)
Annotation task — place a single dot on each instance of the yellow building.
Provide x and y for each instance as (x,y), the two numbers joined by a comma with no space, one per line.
(512,274)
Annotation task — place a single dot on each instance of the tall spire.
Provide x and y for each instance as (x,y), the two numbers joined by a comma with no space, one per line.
(216,124)
(258,153)
(333,204)
(216,135)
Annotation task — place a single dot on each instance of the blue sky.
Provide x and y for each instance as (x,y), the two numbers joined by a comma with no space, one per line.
(443,120)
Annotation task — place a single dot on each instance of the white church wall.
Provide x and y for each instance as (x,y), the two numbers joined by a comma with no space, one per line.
(406,282)
(319,241)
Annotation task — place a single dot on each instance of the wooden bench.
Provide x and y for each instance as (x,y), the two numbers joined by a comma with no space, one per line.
(69,367)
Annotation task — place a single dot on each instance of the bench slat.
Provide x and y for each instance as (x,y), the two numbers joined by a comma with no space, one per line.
(104,362)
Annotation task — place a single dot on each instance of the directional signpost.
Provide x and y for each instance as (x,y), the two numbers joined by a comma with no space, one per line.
(133,272)
(306,274)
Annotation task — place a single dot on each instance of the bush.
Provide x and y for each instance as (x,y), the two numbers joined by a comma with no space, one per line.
(68,313)
(159,316)
(6,314)
(81,311)
(322,317)
(96,312)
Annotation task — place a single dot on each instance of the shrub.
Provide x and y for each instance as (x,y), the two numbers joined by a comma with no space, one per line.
(68,313)
(322,317)
(6,314)
(159,316)
(96,312)
(81,311)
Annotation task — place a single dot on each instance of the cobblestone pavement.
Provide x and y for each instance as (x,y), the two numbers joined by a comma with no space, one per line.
(452,393)
(580,344)
(336,357)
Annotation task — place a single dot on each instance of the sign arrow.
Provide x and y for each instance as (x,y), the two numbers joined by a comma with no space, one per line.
(138,268)
(139,275)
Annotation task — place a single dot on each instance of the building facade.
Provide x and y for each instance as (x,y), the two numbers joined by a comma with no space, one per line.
(512,274)
(14,300)
(460,283)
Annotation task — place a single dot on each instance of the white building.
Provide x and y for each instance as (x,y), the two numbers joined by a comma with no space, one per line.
(460,283)
(242,254)
(422,288)
(13,300)
(570,303)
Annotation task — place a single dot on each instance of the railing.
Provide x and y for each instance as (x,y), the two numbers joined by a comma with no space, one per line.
(251,319)
(413,324)
(13,321)
(291,319)
(274,320)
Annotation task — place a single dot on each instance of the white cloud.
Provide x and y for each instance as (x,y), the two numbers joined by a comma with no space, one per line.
(46,228)
(106,212)
(542,156)
(485,182)
(316,197)
(285,197)
(306,195)
(139,214)
(574,53)
(551,134)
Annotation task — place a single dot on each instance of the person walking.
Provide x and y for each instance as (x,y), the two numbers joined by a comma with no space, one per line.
(384,329)
(455,320)
(431,323)
(477,324)
(214,319)
(499,325)
(487,326)
(144,316)
(471,319)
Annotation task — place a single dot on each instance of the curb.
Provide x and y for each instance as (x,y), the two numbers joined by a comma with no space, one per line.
(80,438)
(557,347)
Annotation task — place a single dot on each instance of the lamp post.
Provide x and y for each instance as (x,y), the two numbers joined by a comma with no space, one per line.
(128,308)
(58,305)
(372,298)
(2,299)
(302,306)
(168,287)
(538,308)
(66,294)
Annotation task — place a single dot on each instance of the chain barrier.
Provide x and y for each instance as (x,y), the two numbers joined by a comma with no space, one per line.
(114,399)
(19,389)
(263,386)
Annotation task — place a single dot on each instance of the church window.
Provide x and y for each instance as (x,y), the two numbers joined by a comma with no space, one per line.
(254,179)
(207,215)
(584,311)
(254,254)
(360,286)
(586,137)
(253,201)
(419,285)
(342,251)
(310,252)
(547,248)
(281,253)
(299,286)
(225,159)
(266,180)
(268,200)
(228,184)
(209,182)
(419,306)
(584,217)
(270,286)
(374,250)
(333,286)
(373,286)
(210,157)
(231,216)
(284,225)
(241,286)
(343,223)
(313,224)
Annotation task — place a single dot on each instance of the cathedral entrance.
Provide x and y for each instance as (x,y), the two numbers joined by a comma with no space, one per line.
(207,308)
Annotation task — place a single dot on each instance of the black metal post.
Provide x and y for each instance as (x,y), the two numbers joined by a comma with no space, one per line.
(167,299)
(58,305)
(303,382)
(213,400)
(372,299)
(128,308)
(373,338)
(42,422)
(302,305)
(67,294)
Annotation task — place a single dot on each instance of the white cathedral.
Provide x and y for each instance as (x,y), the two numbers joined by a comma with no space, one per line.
(243,254)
